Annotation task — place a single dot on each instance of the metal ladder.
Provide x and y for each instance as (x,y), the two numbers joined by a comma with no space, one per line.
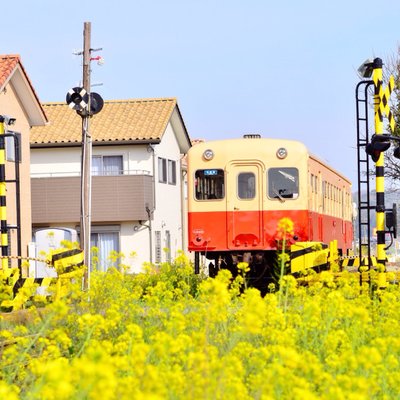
(364,206)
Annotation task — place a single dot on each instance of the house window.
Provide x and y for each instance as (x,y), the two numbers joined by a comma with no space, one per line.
(166,171)
(172,172)
(107,165)
(106,240)
(162,170)
(158,246)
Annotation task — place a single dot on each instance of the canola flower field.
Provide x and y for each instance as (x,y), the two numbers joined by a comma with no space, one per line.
(170,334)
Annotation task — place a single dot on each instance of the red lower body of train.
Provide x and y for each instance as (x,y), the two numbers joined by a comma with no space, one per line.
(226,238)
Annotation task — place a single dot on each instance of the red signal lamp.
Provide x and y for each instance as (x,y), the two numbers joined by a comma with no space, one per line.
(378,144)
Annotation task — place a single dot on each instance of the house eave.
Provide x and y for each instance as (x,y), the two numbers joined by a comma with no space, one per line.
(95,143)
(180,130)
(28,97)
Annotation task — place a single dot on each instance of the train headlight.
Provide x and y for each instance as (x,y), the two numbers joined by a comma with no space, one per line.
(208,155)
(281,153)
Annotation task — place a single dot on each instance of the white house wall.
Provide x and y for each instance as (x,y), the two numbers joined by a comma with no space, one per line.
(167,216)
(168,210)
(135,245)
(55,161)
(66,161)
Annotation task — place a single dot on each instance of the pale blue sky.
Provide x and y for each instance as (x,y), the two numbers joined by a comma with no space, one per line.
(282,69)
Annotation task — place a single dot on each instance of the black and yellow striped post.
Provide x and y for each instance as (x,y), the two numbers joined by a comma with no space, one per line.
(381,98)
(3,213)
(379,164)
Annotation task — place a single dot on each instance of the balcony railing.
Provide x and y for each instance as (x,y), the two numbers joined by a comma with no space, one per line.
(75,173)
(56,199)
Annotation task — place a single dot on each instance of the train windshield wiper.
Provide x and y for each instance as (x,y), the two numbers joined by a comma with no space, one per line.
(278,196)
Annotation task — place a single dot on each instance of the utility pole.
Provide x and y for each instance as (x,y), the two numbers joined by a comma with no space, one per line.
(86,104)
(86,161)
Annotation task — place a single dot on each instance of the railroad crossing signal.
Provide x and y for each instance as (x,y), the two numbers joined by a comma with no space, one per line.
(384,95)
(378,144)
(375,147)
(3,209)
(77,98)
(381,107)
(96,105)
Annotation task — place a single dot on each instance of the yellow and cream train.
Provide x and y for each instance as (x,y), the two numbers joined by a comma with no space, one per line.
(239,190)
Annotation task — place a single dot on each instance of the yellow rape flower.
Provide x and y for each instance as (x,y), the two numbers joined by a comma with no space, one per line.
(285,228)
(9,392)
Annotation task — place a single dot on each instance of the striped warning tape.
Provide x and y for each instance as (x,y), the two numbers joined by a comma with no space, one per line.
(381,279)
(59,258)
(26,258)
(354,261)
(21,289)
(24,289)
(66,260)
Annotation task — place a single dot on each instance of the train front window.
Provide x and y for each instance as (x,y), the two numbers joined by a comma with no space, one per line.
(246,185)
(283,183)
(209,184)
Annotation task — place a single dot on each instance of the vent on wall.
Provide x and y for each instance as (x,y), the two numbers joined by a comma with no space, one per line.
(252,136)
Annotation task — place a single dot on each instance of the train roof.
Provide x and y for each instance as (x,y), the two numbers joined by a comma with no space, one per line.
(329,167)
(254,143)
(250,142)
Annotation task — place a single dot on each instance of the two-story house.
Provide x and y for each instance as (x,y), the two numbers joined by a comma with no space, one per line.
(19,101)
(137,205)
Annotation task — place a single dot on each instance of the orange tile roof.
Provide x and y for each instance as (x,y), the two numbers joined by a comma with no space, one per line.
(119,120)
(8,63)
(7,66)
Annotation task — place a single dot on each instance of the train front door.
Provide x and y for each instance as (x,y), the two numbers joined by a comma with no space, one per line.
(245,183)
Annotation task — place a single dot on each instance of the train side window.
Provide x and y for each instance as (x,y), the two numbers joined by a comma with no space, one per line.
(209,184)
(312,183)
(283,183)
(246,185)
